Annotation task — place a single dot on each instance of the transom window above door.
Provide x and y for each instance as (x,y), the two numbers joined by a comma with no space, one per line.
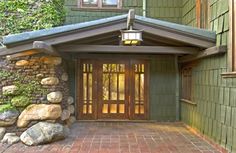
(101,4)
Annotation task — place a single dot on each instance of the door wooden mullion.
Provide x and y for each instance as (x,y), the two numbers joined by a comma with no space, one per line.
(117,86)
(131,91)
(87,84)
(95,90)
(139,88)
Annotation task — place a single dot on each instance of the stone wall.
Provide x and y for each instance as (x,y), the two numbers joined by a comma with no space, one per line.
(34,89)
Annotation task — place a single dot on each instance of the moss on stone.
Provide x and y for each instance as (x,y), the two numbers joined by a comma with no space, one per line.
(20,101)
(6,107)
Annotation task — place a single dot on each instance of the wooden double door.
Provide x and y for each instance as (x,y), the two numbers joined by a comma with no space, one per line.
(113,89)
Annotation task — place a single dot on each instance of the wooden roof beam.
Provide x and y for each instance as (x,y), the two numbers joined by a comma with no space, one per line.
(127,49)
(205,53)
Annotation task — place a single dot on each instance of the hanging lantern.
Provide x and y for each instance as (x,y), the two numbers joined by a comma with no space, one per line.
(131,37)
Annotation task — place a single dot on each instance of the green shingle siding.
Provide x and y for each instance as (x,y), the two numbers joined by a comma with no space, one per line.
(215,96)
(162,88)
(189,12)
(168,10)
(219,20)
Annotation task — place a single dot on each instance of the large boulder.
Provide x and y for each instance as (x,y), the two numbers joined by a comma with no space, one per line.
(70,100)
(50,81)
(39,112)
(10,138)
(2,132)
(64,77)
(8,117)
(71,108)
(54,97)
(44,132)
(9,90)
(65,115)
(70,121)
(22,63)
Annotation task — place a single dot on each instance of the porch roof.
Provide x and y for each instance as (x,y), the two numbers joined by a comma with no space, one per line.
(62,30)
(102,36)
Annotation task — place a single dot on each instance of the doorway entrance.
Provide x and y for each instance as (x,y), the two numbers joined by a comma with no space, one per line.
(113,89)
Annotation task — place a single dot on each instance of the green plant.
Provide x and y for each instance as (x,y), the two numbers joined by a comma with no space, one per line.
(6,107)
(24,15)
(4,74)
(20,101)
(28,87)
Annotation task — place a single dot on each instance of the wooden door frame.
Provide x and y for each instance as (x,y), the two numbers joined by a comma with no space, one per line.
(79,90)
(146,89)
(99,92)
(129,60)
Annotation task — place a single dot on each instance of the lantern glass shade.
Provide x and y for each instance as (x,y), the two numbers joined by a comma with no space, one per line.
(131,37)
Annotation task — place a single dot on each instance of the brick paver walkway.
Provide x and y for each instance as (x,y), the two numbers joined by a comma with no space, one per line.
(122,137)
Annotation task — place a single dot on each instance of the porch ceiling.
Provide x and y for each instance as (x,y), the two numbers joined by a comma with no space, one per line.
(107,31)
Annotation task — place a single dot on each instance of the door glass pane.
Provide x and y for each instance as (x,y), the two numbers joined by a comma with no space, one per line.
(141,109)
(122,67)
(122,108)
(105,108)
(90,86)
(105,86)
(135,68)
(113,67)
(90,68)
(113,82)
(141,86)
(105,68)
(85,86)
(90,109)
(113,108)
(136,86)
(142,67)
(136,109)
(121,86)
